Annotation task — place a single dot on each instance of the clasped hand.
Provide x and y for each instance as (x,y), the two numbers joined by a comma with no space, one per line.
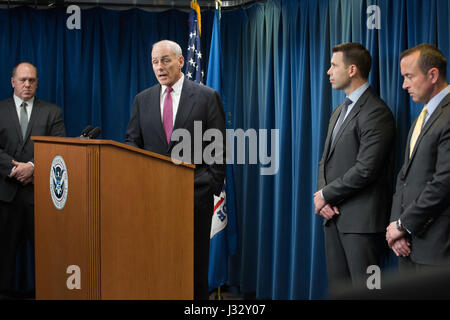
(397,240)
(23,172)
(322,208)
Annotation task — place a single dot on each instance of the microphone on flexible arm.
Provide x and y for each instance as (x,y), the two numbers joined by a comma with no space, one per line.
(94,133)
(85,132)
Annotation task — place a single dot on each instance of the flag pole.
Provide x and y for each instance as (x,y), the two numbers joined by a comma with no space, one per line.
(218,6)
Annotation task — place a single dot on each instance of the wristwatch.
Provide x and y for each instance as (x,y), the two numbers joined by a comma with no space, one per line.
(400,226)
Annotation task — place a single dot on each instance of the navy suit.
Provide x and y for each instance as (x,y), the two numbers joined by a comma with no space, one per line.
(16,200)
(145,130)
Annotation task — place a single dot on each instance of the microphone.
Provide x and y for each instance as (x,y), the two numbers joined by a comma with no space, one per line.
(84,133)
(94,133)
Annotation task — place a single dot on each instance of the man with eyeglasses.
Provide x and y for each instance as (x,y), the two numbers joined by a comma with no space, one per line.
(22,116)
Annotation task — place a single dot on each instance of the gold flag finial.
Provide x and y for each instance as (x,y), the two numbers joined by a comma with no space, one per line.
(196,7)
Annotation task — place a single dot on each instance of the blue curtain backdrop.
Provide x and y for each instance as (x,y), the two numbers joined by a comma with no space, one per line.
(95,72)
(275,57)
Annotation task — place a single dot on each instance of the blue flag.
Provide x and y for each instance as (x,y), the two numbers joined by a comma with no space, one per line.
(194,70)
(224,237)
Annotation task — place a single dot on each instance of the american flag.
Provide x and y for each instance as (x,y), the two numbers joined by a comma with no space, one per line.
(194,69)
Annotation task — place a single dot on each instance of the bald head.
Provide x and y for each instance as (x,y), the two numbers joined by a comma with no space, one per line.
(24,80)
(23,63)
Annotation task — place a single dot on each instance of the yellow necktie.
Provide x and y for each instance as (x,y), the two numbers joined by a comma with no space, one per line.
(417,129)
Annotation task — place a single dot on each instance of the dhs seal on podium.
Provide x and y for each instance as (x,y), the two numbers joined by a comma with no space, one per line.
(59,182)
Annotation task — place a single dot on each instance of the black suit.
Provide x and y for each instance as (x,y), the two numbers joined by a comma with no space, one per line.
(422,197)
(16,200)
(145,130)
(354,176)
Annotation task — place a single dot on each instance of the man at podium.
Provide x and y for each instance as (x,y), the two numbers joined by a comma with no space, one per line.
(23,115)
(178,103)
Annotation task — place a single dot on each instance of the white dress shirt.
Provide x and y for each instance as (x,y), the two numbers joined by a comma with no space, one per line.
(29,106)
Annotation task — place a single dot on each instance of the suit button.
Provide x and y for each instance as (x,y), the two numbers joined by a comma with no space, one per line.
(405,184)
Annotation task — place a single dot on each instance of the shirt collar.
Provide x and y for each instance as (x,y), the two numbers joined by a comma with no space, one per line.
(176,87)
(19,101)
(436,100)
(355,95)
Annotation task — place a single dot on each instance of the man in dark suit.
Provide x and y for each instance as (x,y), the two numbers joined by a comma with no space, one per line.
(353,179)
(178,103)
(22,116)
(419,232)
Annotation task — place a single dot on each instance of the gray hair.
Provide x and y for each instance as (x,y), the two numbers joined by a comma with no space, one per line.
(174,47)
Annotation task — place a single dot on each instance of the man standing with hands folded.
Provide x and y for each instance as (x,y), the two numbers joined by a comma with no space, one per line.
(420,218)
(23,116)
(353,180)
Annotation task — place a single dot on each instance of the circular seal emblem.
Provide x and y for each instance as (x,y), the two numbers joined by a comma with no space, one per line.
(59,182)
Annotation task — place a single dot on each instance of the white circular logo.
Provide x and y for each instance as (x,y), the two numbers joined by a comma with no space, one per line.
(59,182)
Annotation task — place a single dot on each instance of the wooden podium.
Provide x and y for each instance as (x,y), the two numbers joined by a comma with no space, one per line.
(126,228)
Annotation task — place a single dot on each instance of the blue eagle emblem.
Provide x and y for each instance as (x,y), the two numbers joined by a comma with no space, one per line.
(58,182)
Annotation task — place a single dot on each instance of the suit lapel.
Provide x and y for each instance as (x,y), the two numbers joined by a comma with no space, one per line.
(408,141)
(355,110)
(185,106)
(12,113)
(444,103)
(34,115)
(424,130)
(333,120)
(155,109)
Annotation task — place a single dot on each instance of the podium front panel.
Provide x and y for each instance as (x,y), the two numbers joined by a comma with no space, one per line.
(111,222)
(147,227)
(66,239)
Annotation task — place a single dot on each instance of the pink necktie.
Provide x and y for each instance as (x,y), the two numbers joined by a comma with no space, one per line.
(168,114)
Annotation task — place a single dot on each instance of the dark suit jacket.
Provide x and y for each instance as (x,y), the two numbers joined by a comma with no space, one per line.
(354,171)
(197,103)
(46,120)
(422,197)
(145,130)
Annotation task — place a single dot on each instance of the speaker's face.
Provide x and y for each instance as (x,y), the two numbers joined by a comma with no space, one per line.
(166,65)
